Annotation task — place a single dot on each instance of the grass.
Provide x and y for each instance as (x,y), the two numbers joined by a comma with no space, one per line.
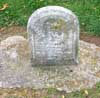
(49,93)
(18,12)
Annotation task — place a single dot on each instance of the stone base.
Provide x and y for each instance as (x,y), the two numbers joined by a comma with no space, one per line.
(16,69)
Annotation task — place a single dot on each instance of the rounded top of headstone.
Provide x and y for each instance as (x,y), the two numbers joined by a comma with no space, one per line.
(50,11)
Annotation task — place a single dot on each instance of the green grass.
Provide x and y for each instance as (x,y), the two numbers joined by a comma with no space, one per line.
(18,12)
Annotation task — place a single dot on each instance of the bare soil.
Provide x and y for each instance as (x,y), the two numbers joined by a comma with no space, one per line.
(17,30)
(11,31)
(90,38)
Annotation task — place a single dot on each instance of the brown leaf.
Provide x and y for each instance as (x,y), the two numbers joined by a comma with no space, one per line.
(4,7)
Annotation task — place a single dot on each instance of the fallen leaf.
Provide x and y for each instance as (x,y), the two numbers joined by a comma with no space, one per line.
(4,7)
(63,96)
(86,92)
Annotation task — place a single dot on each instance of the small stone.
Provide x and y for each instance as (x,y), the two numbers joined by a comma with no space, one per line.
(15,50)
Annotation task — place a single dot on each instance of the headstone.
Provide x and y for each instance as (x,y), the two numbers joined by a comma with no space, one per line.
(53,36)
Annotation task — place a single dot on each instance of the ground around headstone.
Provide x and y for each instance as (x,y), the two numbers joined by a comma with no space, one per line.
(18,72)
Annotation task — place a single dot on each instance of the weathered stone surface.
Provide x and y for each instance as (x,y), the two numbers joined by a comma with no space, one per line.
(54,35)
(68,78)
(15,50)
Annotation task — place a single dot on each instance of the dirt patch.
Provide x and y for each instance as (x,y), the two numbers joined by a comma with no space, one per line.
(17,30)
(11,31)
(90,38)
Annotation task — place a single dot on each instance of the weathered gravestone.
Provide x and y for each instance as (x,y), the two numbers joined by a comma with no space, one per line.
(53,34)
